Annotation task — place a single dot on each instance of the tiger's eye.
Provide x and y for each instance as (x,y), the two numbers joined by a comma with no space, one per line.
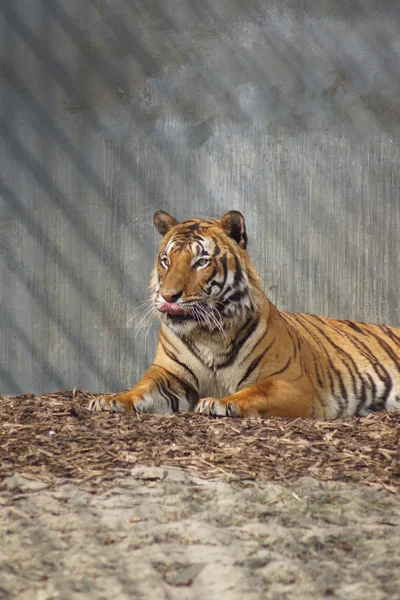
(164,260)
(202,262)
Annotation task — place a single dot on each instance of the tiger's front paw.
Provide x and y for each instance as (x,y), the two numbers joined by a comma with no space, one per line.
(217,408)
(119,403)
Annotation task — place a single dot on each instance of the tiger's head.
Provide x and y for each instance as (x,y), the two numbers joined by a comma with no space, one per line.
(203,276)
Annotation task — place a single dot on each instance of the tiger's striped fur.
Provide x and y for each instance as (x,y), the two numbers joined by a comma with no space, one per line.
(225,349)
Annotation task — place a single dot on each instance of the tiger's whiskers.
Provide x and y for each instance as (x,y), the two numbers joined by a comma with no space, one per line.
(149,312)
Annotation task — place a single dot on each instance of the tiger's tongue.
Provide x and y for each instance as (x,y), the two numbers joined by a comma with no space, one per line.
(172,308)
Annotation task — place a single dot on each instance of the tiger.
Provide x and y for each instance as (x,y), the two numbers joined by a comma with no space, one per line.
(225,350)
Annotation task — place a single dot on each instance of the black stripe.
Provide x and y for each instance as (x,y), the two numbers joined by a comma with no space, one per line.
(238,273)
(317,373)
(286,366)
(215,282)
(245,325)
(375,406)
(213,274)
(156,384)
(173,357)
(217,249)
(173,398)
(347,359)
(355,326)
(362,400)
(298,319)
(210,283)
(378,367)
(390,332)
(373,385)
(191,347)
(224,296)
(165,392)
(261,338)
(389,351)
(236,297)
(255,363)
(225,268)
(192,395)
(387,380)
(187,388)
(170,373)
(293,334)
(241,337)
(204,289)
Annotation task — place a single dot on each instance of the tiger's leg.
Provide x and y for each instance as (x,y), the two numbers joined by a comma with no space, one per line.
(159,391)
(266,399)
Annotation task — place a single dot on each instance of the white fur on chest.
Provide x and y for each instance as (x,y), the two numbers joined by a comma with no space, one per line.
(212,382)
(217,384)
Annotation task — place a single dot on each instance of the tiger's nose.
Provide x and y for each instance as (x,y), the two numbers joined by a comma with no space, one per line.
(172,295)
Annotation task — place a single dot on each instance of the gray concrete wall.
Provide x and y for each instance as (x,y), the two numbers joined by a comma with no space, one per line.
(287,110)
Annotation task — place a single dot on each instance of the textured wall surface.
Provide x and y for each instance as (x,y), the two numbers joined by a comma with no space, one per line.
(286,110)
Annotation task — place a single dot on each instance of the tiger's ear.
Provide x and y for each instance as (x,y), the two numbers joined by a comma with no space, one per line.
(233,225)
(163,222)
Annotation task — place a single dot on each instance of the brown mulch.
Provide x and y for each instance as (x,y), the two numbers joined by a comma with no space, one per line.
(54,435)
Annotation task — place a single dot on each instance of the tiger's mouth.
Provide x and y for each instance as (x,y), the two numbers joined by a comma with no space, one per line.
(191,312)
(173,309)
(176,312)
(181,318)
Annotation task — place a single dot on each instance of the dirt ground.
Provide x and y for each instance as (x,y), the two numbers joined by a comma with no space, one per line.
(181,506)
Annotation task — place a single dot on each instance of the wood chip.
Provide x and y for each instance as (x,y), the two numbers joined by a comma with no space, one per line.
(98,447)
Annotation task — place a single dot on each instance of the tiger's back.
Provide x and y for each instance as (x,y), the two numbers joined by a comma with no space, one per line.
(354,366)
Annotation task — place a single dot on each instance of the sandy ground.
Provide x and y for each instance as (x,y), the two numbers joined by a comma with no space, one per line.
(162,533)
(174,507)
